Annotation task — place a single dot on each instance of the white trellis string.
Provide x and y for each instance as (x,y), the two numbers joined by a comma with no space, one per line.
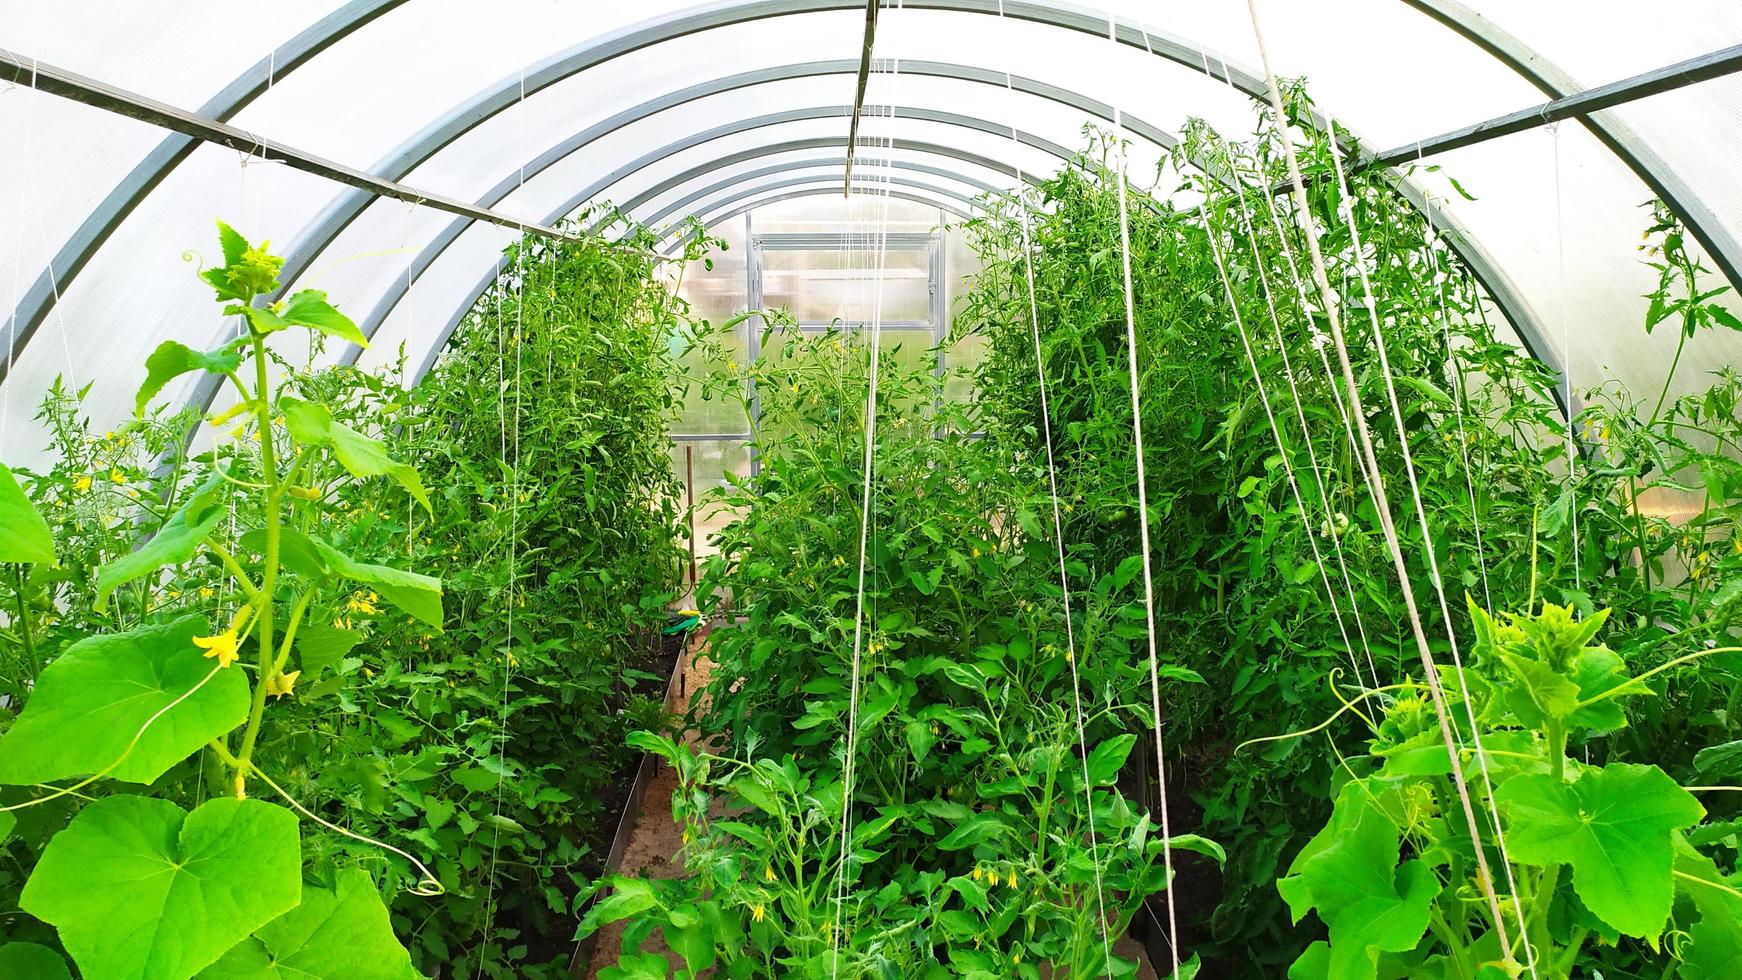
(1059,536)
(1331,528)
(865,510)
(1458,388)
(1212,234)
(1348,212)
(1376,480)
(1554,130)
(513,551)
(1143,525)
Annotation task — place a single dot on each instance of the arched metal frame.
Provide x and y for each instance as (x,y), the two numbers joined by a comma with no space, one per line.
(206,390)
(1527,63)
(931,69)
(874,184)
(658,218)
(498,267)
(723,211)
(400,287)
(1620,139)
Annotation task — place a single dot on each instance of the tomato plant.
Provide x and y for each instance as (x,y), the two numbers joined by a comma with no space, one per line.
(985,841)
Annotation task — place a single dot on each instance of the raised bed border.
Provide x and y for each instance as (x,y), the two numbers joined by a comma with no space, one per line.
(631,814)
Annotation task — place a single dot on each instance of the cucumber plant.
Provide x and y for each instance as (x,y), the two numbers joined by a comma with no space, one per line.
(1600,852)
(137,884)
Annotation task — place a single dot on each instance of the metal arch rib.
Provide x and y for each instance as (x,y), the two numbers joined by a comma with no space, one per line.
(572,144)
(731,12)
(716,217)
(873,186)
(1620,139)
(497,268)
(397,291)
(443,240)
(673,208)
(145,176)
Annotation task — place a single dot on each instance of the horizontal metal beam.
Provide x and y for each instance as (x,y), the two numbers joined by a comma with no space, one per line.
(864,79)
(101,95)
(1679,75)
(1710,229)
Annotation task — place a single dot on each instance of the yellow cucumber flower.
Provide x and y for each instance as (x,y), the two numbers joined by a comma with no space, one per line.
(305,493)
(282,683)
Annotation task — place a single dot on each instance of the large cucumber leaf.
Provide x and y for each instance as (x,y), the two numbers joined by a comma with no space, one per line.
(338,933)
(94,698)
(140,889)
(24,535)
(1615,826)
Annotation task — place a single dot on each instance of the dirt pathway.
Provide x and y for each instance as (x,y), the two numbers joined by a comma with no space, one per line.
(654,840)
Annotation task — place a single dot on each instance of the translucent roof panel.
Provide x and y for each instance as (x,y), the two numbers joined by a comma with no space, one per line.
(675,106)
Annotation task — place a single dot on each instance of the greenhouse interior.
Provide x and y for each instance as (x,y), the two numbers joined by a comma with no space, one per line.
(870,489)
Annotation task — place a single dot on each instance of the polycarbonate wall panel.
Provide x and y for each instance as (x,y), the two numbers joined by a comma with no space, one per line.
(1567,241)
(181,53)
(139,290)
(420,319)
(383,83)
(1383,67)
(1598,41)
(57,160)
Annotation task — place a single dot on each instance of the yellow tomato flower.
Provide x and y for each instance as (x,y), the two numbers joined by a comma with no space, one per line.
(768,872)
(757,912)
(206,592)
(117,477)
(363,604)
(83,484)
(977,873)
(282,683)
(1012,881)
(305,493)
